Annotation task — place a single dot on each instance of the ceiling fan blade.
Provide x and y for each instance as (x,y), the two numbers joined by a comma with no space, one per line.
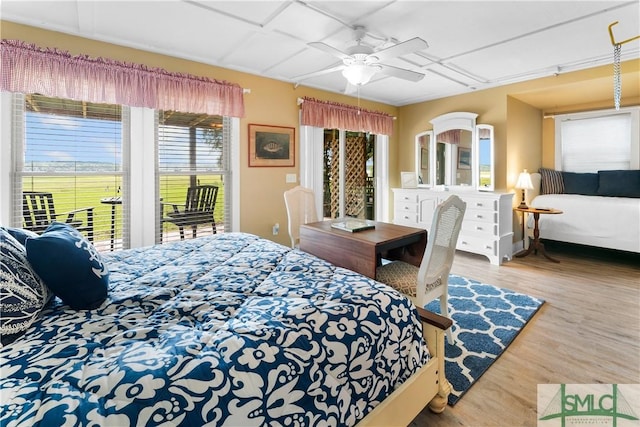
(318,73)
(329,49)
(413,45)
(401,73)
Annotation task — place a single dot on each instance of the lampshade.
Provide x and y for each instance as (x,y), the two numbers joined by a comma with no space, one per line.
(359,73)
(524,181)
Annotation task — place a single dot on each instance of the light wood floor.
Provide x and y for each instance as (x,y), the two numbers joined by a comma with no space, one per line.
(588,331)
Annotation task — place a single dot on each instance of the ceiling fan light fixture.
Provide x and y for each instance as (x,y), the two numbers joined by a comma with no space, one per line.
(359,73)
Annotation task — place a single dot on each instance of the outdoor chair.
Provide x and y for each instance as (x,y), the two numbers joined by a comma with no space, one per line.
(301,209)
(38,210)
(431,280)
(197,209)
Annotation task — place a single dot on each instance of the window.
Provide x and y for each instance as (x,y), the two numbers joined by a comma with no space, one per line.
(69,167)
(191,152)
(79,153)
(603,140)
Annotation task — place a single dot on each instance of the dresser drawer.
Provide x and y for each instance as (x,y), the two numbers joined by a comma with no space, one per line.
(479,203)
(405,218)
(405,198)
(404,207)
(477,244)
(480,215)
(479,228)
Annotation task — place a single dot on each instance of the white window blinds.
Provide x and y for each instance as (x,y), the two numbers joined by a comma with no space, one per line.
(69,167)
(191,155)
(593,142)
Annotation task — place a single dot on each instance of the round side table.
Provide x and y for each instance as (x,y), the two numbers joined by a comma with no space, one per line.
(536,245)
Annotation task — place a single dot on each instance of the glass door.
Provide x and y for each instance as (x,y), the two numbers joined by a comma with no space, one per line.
(348,174)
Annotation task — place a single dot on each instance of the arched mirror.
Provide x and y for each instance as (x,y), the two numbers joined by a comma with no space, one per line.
(456,153)
(423,158)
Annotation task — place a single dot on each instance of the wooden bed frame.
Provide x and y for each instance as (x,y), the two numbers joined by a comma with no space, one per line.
(428,386)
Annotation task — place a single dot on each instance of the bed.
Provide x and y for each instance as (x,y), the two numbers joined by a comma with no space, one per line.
(228,329)
(593,214)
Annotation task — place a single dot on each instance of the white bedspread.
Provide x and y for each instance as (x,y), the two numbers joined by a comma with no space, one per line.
(608,222)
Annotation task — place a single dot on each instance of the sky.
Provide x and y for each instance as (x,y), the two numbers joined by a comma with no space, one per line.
(56,138)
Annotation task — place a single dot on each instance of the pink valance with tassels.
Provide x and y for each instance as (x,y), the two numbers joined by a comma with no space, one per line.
(332,115)
(27,68)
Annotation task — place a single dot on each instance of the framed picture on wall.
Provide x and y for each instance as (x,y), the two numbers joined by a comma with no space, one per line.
(271,146)
(464,158)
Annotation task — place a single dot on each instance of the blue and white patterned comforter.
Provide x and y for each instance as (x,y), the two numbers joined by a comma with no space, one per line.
(224,330)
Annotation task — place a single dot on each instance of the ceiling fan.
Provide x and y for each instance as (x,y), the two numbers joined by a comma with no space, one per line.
(361,62)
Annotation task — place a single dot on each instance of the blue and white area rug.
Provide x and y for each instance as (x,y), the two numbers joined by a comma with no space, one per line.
(486,319)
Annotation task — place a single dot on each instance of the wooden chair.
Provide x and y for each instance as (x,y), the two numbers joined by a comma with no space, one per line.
(197,209)
(301,209)
(38,211)
(429,281)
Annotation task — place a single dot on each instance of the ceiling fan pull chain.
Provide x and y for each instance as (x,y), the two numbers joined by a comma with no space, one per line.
(617,81)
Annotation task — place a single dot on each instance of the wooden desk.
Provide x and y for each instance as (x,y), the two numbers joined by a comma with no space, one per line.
(361,251)
(536,245)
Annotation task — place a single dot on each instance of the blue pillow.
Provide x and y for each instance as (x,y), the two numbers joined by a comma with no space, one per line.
(70,266)
(20,234)
(580,183)
(619,183)
(22,294)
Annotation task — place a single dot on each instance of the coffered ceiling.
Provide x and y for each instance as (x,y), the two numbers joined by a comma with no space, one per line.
(471,45)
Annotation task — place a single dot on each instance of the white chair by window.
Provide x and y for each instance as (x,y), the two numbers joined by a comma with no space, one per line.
(429,281)
(301,209)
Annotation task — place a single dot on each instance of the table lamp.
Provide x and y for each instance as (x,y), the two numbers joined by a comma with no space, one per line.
(524,183)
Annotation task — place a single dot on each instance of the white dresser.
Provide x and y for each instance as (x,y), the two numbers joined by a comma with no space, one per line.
(487,228)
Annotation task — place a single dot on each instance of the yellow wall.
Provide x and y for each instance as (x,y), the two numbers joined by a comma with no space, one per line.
(270,102)
(524,133)
(523,139)
(523,150)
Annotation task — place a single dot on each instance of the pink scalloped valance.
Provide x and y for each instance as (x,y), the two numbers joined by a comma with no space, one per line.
(450,136)
(27,68)
(331,115)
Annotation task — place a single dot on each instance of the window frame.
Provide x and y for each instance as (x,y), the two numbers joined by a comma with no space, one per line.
(57,116)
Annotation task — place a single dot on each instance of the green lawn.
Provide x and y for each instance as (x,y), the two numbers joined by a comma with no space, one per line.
(76,192)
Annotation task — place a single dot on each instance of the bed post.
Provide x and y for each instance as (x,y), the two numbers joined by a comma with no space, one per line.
(433,329)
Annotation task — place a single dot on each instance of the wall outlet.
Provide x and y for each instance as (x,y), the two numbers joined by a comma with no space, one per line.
(291,178)
(276,229)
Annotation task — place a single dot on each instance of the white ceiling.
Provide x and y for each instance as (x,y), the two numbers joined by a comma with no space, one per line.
(471,44)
